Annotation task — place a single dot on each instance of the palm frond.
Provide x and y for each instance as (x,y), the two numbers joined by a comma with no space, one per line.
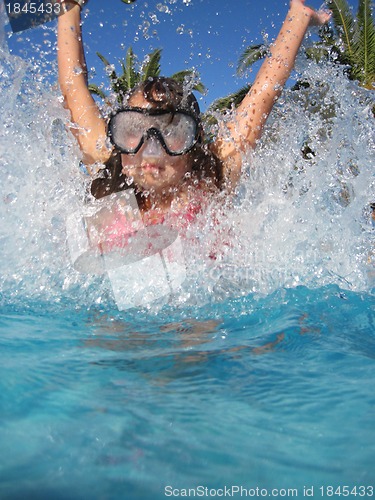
(112,73)
(130,77)
(345,25)
(151,66)
(234,99)
(199,87)
(103,59)
(180,76)
(327,35)
(187,74)
(364,68)
(330,47)
(318,52)
(122,84)
(94,89)
(251,55)
(220,106)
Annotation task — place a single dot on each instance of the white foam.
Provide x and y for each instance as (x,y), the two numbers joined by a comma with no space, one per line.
(296,221)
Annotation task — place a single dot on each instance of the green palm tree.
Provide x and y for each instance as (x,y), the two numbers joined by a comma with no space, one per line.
(223,104)
(350,41)
(251,55)
(131,76)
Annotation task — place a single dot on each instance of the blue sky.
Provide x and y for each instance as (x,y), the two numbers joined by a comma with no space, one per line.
(208,35)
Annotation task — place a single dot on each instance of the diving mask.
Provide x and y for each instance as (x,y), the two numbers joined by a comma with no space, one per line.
(177,131)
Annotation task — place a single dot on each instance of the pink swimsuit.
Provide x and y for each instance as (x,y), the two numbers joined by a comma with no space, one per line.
(120,229)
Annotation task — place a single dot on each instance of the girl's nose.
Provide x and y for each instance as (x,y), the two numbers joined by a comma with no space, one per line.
(152,148)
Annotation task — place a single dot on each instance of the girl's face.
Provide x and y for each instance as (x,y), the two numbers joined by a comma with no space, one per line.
(152,168)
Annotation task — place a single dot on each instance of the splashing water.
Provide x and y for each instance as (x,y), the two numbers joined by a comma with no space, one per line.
(301,215)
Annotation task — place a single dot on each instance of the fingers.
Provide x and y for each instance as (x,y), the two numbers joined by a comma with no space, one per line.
(320,17)
(317,17)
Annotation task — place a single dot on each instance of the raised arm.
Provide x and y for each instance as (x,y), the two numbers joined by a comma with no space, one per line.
(88,125)
(248,121)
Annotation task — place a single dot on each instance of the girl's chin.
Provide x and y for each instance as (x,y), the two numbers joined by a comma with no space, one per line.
(154,187)
(155,180)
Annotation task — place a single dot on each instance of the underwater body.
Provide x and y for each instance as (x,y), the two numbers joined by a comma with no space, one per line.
(258,372)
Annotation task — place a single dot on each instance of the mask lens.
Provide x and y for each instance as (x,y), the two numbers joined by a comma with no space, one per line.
(180,133)
(128,128)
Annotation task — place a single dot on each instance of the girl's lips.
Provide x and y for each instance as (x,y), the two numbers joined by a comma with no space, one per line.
(151,167)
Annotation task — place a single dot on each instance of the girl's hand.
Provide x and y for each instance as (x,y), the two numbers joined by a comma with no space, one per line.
(66,5)
(317,17)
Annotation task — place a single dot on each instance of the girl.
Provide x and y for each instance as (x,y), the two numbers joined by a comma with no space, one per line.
(157,137)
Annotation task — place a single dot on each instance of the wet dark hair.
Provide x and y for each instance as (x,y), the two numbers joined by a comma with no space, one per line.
(169,95)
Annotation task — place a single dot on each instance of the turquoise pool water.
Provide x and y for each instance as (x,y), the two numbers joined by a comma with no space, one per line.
(275,393)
